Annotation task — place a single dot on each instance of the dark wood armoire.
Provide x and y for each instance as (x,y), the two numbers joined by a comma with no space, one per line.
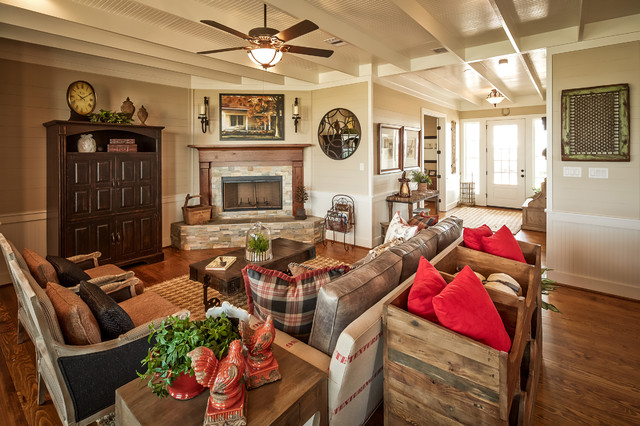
(104,201)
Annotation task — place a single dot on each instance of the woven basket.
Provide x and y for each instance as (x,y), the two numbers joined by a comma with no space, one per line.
(195,215)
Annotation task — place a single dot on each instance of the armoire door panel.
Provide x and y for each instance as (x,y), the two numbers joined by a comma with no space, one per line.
(80,203)
(80,172)
(127,236)
(146,196)
(147,233)
(126,170)
(145,170)
(104,171)
(127,198)
(103,200)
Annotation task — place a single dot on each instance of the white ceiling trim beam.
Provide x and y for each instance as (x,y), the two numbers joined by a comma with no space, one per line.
(458,90)
(195,11)
(434,61)
(492,79)
(504,10)
(450,41)
(417,94)
(60,19)
(580,20)
(81,47)
(367,41)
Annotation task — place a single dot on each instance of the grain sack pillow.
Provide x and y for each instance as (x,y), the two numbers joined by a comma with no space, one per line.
(291,301)
(297,269)
(503,244)
(398,228)
(473,236)
(78,325)
(427,283)
(464,306)
(69,273)
(112,319)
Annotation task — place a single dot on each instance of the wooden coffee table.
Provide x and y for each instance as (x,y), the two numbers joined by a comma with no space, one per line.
(291,401)
(230,281)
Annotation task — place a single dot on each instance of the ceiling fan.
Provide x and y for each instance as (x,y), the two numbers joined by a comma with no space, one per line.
(266,45)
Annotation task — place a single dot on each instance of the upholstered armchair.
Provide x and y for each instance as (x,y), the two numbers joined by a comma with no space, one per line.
(82,379)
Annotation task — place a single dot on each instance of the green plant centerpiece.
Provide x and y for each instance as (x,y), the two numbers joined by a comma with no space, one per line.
(258,247)
(174,338)
(301,196)
(107,116)
(422,178)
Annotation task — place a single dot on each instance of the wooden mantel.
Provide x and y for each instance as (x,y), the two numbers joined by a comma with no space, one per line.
(250,155)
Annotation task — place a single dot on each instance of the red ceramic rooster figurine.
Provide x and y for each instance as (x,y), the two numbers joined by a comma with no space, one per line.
(261,364)
(225,380)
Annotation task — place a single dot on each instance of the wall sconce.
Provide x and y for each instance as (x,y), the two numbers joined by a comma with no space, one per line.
(296,115)
(204,114)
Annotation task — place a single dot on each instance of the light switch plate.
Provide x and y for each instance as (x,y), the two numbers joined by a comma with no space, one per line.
(362,167)
(598,173)
(572,171)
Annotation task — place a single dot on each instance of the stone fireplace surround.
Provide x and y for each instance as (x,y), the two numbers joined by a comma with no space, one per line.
(228,229)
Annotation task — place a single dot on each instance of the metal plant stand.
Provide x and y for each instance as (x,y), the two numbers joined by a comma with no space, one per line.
(341,218)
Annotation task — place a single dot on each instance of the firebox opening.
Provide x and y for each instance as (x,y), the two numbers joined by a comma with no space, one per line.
(251,193)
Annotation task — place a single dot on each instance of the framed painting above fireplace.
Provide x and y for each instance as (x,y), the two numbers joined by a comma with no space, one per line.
(251,117)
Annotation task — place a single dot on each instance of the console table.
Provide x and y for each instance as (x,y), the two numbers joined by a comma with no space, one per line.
(293,400)
(416,197)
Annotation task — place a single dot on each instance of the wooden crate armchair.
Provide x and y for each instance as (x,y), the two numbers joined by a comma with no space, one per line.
(82,379)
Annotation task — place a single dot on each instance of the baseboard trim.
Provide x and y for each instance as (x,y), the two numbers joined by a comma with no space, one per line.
(588,283)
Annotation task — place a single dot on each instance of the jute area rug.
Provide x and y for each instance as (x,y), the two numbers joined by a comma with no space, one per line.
(187,294)
(473,217)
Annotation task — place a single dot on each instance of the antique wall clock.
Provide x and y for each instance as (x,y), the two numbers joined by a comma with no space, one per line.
(81,99)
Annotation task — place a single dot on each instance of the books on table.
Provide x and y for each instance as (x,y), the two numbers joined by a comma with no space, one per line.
(220,263)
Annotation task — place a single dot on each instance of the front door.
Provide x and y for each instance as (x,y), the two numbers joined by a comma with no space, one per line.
(505,163)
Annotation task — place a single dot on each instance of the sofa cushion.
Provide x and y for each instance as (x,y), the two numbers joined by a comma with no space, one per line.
(291,301)
(473,236)
(79,326)
(148,307)
(503,244)
(448,230)
(427,284)
(349,296)
(398,228)
(69,273)
(464,306)
(424,244)
(377,251)
(112,319)
(42,271)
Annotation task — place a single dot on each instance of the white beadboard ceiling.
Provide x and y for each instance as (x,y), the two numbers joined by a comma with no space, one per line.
(443,51)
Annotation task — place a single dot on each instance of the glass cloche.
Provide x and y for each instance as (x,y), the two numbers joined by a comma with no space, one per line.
(258,244)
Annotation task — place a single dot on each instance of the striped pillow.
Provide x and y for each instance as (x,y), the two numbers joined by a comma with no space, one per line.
(291,301)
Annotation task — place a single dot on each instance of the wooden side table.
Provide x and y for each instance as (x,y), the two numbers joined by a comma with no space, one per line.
(416,197)
(293,400)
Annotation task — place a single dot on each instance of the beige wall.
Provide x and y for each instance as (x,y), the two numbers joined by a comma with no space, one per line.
(593,225)
(32,93)
(502,112)
(619,195)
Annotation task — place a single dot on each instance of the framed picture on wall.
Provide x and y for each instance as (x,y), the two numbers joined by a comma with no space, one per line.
(389,148)
(251,117)
(412,148)
(431,173)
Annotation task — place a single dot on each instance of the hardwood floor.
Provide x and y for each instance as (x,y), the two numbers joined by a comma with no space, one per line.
(591,351)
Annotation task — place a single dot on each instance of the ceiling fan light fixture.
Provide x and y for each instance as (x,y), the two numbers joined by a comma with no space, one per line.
(266,57)
(494,97)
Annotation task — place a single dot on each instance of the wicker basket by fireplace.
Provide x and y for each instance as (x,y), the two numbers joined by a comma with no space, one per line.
(196,215)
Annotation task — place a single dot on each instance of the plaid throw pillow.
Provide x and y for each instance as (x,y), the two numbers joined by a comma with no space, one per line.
(421,222)
(291,301)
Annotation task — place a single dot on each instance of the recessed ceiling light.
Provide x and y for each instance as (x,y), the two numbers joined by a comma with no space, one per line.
(503,62)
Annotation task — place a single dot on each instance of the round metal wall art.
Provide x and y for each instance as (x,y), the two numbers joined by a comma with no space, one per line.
(339,133)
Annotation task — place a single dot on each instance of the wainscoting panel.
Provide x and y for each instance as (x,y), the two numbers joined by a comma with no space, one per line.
(320,201)
(594,252)
(23,230)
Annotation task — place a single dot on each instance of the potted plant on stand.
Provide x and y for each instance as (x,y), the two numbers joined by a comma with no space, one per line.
(422,178)
(301,197)
(169,369)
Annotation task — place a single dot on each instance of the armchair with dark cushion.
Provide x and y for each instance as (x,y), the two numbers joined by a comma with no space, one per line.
(82,379)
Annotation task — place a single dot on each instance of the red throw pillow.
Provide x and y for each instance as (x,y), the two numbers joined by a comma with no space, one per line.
(427,284)
(464,306)
(473,236)
(503,244)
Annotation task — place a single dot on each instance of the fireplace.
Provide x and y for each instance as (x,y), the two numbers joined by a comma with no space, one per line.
(242,193)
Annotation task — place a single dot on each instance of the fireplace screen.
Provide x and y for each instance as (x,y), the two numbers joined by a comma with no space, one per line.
(251,193)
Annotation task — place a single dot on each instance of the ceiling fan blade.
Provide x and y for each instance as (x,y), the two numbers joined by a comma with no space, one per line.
(228,49)
(301,28)
(219,26)
(309,51)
